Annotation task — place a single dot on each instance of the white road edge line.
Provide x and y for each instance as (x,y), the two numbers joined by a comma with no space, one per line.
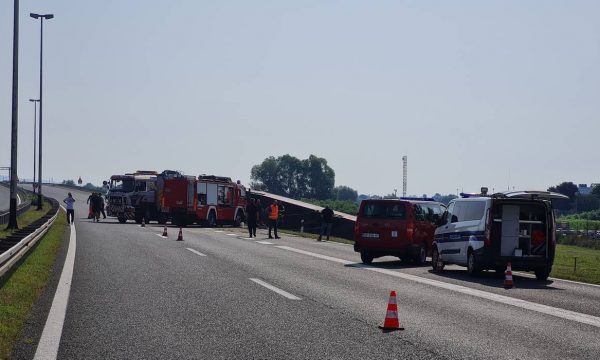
(275,289)
(231,234)
(219,231)
(18,200)
(527,275)
(544,309)
(50,340)
(265,242)
(196,252)
(160,235)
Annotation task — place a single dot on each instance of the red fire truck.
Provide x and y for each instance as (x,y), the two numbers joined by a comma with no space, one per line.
(208,200)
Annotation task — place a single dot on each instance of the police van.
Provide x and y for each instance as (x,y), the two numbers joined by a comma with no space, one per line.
(486,232)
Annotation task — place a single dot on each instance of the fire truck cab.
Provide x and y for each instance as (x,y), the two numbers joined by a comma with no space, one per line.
(133,197)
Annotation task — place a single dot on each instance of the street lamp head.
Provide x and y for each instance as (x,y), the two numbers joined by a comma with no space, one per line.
(37,16)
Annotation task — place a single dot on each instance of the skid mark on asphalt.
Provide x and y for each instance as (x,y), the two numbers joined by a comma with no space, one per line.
(275,289)
(540,308)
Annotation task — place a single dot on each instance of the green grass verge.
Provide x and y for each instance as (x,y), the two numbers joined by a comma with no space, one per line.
(588,264)
(26,218)
(22,286)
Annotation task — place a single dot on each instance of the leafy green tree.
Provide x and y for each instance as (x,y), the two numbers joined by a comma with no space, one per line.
(344,193)
(291,177)
(68,182)
(445,199)
(596,191)
(566,188)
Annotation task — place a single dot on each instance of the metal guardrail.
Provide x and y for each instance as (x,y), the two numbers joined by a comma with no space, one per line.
(21,241)
(20,209)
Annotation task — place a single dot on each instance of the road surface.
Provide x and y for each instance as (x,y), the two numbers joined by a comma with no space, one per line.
(217,294)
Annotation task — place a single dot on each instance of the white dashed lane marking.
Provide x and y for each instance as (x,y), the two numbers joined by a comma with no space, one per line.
(275,289)
(196,252)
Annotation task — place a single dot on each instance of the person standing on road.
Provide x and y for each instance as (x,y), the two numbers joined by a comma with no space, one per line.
(89,202)
(96,201)
(102,205)
(273,217)
(70,210)
(251,215)
(326,222)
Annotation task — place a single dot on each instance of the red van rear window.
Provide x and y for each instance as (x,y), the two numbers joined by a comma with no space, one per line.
(384,211)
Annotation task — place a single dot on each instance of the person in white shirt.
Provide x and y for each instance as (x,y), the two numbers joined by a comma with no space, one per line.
(70,211)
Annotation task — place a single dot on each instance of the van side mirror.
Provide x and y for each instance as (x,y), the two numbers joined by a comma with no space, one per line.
(441,220)
(454,219)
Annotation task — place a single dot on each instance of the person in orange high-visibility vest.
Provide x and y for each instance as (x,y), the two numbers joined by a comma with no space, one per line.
(273,216)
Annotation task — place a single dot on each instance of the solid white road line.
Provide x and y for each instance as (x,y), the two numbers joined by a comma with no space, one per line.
(265,242)
(544,309)
(277,290)
(160,235)
(196,252)
(231,234)
(18,200)
(219,231)
(527,275)
(50,340)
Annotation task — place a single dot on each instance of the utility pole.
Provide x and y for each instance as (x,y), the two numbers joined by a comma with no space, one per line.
(12,217)
(404,174)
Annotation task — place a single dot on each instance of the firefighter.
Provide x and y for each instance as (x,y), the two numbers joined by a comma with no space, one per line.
(273,217)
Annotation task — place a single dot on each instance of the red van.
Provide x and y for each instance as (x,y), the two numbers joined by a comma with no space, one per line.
(396,227)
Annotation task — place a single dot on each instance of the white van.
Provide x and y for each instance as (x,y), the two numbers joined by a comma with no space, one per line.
(486,232)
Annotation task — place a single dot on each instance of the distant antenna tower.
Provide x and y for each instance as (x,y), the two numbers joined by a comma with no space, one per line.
(404,175)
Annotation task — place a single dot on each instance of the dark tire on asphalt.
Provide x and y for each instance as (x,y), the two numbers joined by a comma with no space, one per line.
(434,258)
(542,274)
(122,220)
(239,217)
(366,258)
(212,219)
(473,268)
(421,256)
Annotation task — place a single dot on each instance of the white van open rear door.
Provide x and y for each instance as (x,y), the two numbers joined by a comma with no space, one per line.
(534,195)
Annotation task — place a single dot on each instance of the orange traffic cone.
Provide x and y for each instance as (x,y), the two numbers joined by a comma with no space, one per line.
(165,231)
(180,236)
(439,265)
(391,321)
(143,223)
(508,280)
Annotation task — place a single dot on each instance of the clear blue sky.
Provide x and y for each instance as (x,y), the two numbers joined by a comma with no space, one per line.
(470,90)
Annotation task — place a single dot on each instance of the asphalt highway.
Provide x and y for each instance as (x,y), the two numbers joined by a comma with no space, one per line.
(4,198)
(218,294)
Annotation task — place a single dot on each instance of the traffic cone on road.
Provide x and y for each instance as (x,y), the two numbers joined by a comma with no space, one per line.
(180,236)
(143,223)
(508,280)
(165,231)
(391,321)
(439,265)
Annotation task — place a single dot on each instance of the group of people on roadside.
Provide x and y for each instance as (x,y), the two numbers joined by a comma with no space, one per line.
(254,215)
(273,212)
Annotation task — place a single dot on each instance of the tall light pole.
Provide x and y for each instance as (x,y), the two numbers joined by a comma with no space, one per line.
(41,17)
(12,217)
(34,101)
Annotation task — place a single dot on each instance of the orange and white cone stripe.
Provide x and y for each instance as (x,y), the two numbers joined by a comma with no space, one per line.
(391,321)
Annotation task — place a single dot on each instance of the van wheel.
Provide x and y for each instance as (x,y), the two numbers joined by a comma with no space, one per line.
(366,258)
(434,258)
(473,267)
(542,274)
(421,256)
(212,219)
